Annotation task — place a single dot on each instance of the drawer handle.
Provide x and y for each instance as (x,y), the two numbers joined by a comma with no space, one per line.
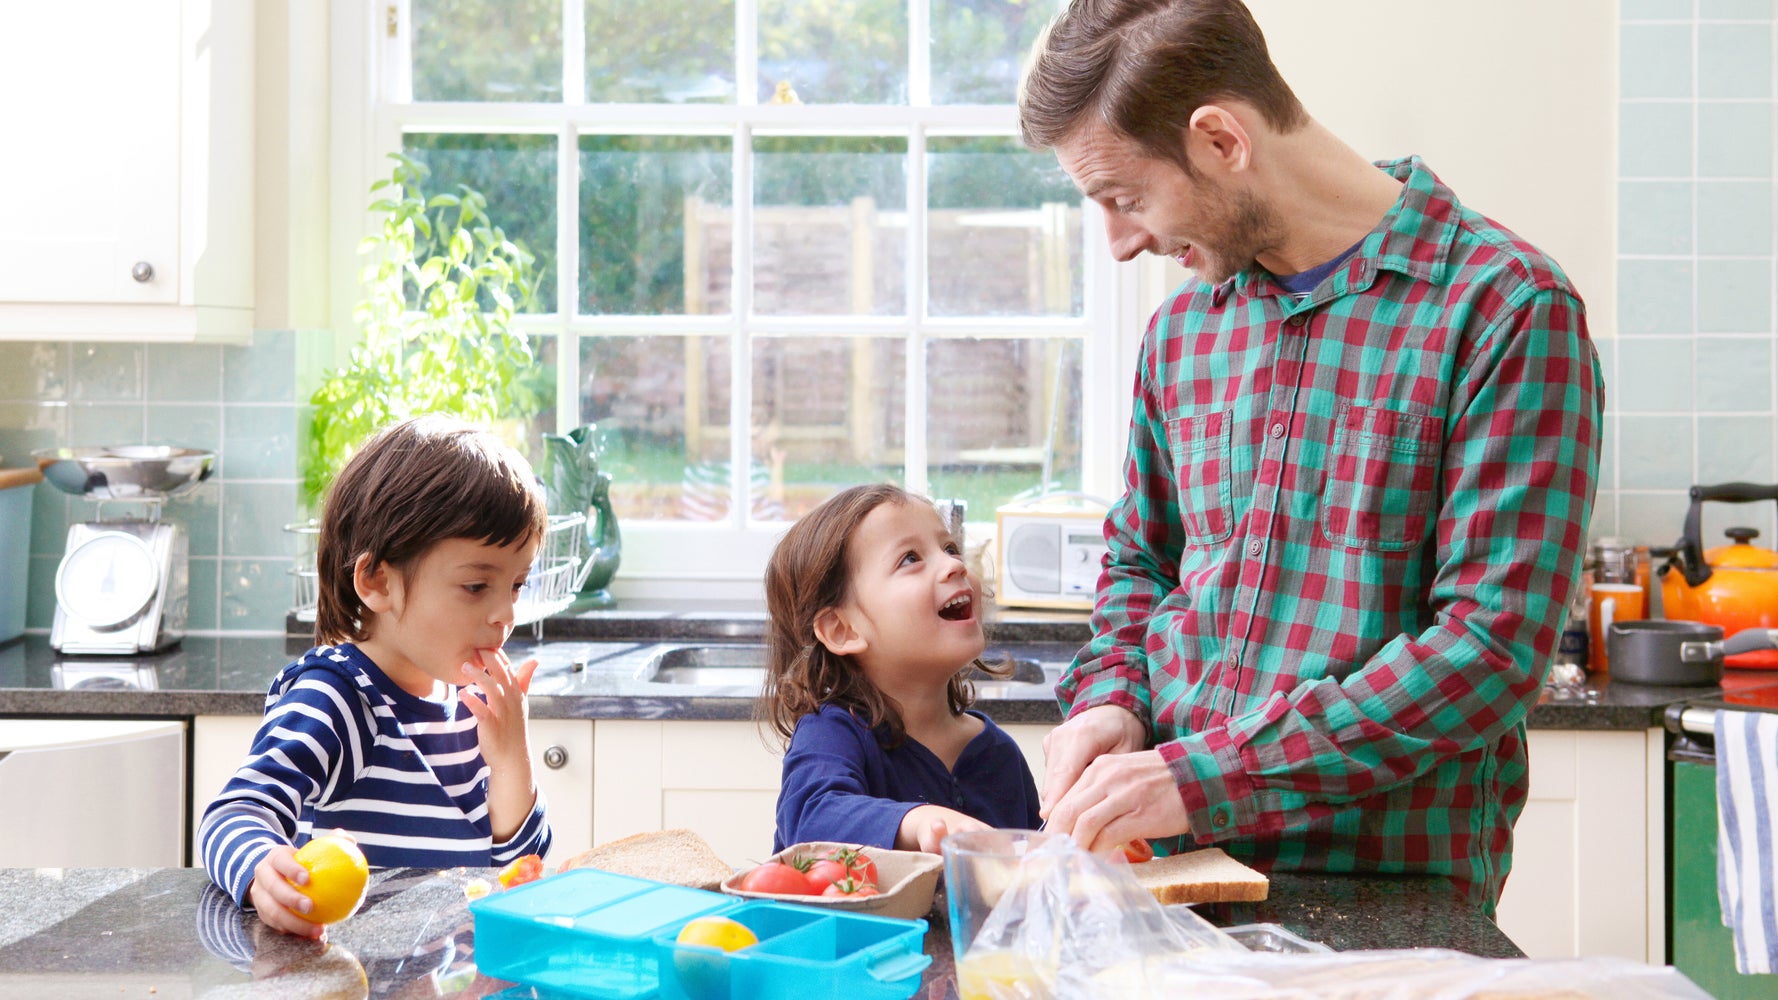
(555,757)
(143,272)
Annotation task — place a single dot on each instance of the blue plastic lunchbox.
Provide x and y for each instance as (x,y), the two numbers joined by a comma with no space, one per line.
(591,933)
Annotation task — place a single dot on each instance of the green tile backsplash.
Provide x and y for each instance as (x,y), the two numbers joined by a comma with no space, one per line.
(1694,387)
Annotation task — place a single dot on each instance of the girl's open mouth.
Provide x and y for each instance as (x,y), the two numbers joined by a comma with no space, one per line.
(958,609)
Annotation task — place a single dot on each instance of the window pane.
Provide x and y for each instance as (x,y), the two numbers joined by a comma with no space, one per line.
(998,412)
(1003,236)
(979,47)
(656,228)
(487,50)
(540,382)
(662,406)
(829,225)
(644,51)
(517,174)
(847,52)
(827,413)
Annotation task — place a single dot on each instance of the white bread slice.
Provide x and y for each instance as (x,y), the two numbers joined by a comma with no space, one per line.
(677,856)
(1207,875)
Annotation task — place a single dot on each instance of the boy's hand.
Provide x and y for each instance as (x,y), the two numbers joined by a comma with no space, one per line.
(494,692)
(924,828)
(276,899)
(496,697)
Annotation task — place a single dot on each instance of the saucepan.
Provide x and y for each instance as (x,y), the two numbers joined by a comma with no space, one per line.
(1675,653)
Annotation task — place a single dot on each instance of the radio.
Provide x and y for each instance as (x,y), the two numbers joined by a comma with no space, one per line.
(1050,557)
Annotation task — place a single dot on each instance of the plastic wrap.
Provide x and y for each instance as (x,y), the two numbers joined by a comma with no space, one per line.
(1070,926)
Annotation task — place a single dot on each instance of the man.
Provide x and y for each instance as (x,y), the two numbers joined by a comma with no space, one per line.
(1360,471)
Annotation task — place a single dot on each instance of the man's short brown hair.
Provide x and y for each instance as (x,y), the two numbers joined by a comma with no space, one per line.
(1144,66)
(413,485)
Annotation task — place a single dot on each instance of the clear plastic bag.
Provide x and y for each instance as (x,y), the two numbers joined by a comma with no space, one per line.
(1068,923)
(1070,926)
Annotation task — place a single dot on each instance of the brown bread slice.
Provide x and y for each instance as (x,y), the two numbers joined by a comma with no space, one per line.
(678,856)
(1207,875)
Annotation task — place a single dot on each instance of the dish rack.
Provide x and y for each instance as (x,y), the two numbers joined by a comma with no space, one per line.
(557,573)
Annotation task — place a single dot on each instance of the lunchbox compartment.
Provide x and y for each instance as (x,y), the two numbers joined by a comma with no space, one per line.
(591,933)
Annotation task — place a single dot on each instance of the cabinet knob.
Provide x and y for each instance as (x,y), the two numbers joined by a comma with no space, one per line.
(555,757)
(142,272)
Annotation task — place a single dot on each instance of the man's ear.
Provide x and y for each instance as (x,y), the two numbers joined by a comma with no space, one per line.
(1216,135)
(377,585)
(833,628)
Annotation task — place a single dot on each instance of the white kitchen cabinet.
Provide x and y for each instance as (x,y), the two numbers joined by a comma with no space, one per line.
(1587,877)
(92,793)
(129,170)
(719,779)
(561,765)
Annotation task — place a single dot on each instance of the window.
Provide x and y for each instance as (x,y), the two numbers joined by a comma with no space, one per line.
(787,246)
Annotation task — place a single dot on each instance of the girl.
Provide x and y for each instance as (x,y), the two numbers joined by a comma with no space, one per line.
(406,725)
(874,619)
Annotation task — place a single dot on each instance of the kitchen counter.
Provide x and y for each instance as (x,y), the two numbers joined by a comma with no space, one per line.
(167,932)
(593,675)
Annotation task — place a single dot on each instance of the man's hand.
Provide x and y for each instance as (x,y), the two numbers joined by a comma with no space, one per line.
(1071,746)
(1118,797)
(276,899)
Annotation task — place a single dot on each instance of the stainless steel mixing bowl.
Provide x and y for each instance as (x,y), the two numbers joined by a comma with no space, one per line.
(125,472)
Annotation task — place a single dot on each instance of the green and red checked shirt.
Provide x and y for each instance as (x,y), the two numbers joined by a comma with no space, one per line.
(1350,525)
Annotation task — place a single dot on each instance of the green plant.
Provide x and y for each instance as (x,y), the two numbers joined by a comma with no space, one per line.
(442,285)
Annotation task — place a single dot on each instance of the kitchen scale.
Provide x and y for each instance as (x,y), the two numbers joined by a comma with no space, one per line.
(123,584)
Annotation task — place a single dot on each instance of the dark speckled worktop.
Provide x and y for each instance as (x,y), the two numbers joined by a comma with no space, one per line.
(136,933)
(589,664)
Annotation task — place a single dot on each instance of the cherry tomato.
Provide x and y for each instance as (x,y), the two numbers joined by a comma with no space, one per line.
(526,869)
(826,872)
(779,878)
(1138,851)
(858,864)
(851,888)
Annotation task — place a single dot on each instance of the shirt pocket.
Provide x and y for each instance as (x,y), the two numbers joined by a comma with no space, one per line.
(1201,462)
(1380,482)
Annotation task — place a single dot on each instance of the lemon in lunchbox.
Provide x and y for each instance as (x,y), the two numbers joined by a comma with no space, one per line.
(702,975)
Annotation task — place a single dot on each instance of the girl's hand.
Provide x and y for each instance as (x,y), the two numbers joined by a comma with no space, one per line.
(924,828)
(276,899)
(494,692)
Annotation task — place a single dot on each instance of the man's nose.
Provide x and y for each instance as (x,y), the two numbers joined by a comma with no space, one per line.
(1127,239)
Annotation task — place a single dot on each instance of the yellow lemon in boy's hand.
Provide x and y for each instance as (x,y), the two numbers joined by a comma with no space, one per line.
(338,875)
(701,975)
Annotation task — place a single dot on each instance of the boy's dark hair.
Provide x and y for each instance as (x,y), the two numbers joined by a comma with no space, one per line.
(810,571)
(1143,67)
(413,485)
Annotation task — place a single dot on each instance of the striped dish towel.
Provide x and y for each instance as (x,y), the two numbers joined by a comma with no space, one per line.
(1747,835)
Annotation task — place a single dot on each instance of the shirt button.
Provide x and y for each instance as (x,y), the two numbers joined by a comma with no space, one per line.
(1253,547)
(1298,320)
(1220,818)
(1278,430)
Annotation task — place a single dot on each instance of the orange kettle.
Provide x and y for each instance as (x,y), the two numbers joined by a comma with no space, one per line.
(1733,586)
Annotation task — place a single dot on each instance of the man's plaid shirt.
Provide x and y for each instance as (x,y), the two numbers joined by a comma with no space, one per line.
(1350,526)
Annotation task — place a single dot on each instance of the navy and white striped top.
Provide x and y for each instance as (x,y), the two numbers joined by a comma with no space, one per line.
(343,746)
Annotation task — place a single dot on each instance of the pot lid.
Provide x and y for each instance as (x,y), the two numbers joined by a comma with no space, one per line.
(1743,554)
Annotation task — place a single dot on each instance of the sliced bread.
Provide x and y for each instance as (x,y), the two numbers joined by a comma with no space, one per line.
(677,856)
(1207,875)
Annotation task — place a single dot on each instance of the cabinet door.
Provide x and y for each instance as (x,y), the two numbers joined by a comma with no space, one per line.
(219,743)
(562,766)
(92,126)
(1585,847)
(716,778)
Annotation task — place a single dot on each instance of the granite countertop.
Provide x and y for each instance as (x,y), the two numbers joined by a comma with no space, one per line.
(168,932)
(590,664)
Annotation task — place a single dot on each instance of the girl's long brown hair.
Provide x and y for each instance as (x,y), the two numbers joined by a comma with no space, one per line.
(809,572)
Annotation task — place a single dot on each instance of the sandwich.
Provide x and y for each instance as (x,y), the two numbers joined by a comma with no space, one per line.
(1207,875)
(678,857)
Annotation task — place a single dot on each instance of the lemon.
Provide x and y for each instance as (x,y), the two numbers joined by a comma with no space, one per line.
(338,875)
(1004,975)
(704,976)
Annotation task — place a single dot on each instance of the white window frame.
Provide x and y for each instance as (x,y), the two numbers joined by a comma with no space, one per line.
(718,559)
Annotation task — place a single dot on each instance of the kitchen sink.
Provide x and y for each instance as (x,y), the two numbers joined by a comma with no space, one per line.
(743,665)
